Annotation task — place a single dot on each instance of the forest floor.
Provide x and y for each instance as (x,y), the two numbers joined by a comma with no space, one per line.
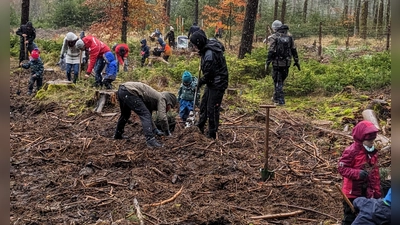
(69,170)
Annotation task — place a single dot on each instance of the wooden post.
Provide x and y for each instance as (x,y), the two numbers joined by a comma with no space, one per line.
(267,107)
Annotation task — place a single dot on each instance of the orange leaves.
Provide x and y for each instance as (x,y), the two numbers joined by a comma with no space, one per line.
(230,12)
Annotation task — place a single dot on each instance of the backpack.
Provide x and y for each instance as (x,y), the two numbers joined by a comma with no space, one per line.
(283,46)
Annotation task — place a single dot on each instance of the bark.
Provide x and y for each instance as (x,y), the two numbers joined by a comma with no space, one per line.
(357,17)
(24,12)
(345,9)
(196,11)
(168,8)
(364,19)
(248,28)
(375,10)
(276,9)
(124,28)
(388,13)
(283,12)
(305,6)
(380,15)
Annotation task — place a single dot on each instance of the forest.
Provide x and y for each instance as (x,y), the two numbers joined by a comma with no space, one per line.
(65,167)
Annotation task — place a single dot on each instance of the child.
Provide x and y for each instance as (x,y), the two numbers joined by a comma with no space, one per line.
(186,95)
(164,48)
(359,167)
(144,51)
(36,65)
(111,70)
(373,211)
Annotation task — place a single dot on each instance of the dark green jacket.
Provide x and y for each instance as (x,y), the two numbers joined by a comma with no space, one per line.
(36,67)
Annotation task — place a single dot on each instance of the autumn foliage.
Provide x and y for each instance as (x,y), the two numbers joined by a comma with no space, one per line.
(141,16)
(230,12)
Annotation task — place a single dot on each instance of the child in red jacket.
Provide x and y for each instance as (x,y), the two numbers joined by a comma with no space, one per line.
(359,168)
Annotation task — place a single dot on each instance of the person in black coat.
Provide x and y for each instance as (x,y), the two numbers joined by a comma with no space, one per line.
(215,77)
(28,35)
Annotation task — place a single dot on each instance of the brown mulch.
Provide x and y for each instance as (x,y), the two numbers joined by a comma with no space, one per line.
(69,170)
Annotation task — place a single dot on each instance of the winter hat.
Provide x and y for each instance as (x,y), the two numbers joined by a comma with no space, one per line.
(171,28)
(29,24)
(276,24)
(35,54)
(71,36)
(199,39)
(186,77)
(79,44)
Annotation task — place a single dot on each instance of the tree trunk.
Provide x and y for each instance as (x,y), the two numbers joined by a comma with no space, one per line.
(168,8)
(357,17)
(24,11)
(345,10)
(276,9)
(388,13)
(248,28)
(305,11)
(375,10)
(364,19)
(380,15)
(196,11)
(283,12)
(124,28)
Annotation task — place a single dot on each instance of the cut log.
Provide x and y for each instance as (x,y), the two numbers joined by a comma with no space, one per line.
(104,96)
(369,114)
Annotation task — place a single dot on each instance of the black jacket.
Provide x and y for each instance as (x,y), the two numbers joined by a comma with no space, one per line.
(213,65)
(30,33)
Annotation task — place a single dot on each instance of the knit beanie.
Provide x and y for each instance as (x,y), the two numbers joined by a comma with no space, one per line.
(186,77)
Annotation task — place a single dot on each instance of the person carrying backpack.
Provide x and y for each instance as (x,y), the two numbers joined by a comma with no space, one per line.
(281,49)
(186,94)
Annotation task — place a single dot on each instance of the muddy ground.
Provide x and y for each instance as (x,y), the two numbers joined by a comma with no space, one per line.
(69,170)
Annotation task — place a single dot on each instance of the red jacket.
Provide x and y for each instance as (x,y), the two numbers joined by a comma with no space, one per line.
(354,159)
(119,57)
(96,50)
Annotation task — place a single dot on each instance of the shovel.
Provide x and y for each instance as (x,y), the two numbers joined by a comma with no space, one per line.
(265,173)
(20,68)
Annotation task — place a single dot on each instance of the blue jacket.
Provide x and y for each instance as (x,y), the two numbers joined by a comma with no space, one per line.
(36,67)
(111,69)
(371,211)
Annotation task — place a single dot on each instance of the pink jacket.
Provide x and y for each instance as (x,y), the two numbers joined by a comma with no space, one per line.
(354,159)
(96,50)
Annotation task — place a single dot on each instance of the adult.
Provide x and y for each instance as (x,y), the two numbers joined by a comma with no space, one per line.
(215,76)
(281,48)
(27,35)
(143,100)
(170,36)
(72,55)
(96,51)
(121,52)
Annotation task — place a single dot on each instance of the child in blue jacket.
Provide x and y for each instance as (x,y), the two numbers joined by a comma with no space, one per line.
(111,70)
(37,69)
(186,95)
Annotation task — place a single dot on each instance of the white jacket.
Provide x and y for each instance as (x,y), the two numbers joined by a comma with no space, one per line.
(72,56)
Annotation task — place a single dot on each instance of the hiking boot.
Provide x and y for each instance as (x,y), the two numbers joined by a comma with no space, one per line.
(201,128)
(118,136)
(212,135)
(273,100)
(279,104)
(153,143)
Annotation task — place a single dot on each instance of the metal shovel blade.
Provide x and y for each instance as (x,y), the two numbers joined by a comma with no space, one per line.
(266,174)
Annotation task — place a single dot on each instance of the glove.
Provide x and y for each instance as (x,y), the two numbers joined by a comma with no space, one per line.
(62,57)
(59,62)
(297,65)
(363,174)
(158,132)
(142,53)
(84,60)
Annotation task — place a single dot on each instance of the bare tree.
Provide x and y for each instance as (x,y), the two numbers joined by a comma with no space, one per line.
(364,19)
(375,11)
(380,14)
(248,28)
(357,17)
(168,8)
(283,12)
(388,13)
(345,9)
(196,11)
(24,11)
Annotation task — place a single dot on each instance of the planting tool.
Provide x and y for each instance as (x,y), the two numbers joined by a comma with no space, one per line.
(20,67)
(345,198)
(265,173)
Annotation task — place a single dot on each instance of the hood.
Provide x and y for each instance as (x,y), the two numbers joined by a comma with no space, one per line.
(362,130)
(215,45)
(171,98)
(143,42)
(109,56)
(71,36)
(160,41)
(283,29)
(199,39)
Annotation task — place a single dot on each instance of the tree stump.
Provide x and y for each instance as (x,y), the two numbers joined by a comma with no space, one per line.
(156,59)
(104,96)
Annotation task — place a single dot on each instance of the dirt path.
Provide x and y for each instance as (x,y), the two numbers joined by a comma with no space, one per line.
(70,171)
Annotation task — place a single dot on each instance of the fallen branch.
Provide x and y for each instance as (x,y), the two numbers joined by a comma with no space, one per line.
(334,132)
(233,141)
(279,215)
(165,201)
(138,212)
(182,146)
(308,209)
